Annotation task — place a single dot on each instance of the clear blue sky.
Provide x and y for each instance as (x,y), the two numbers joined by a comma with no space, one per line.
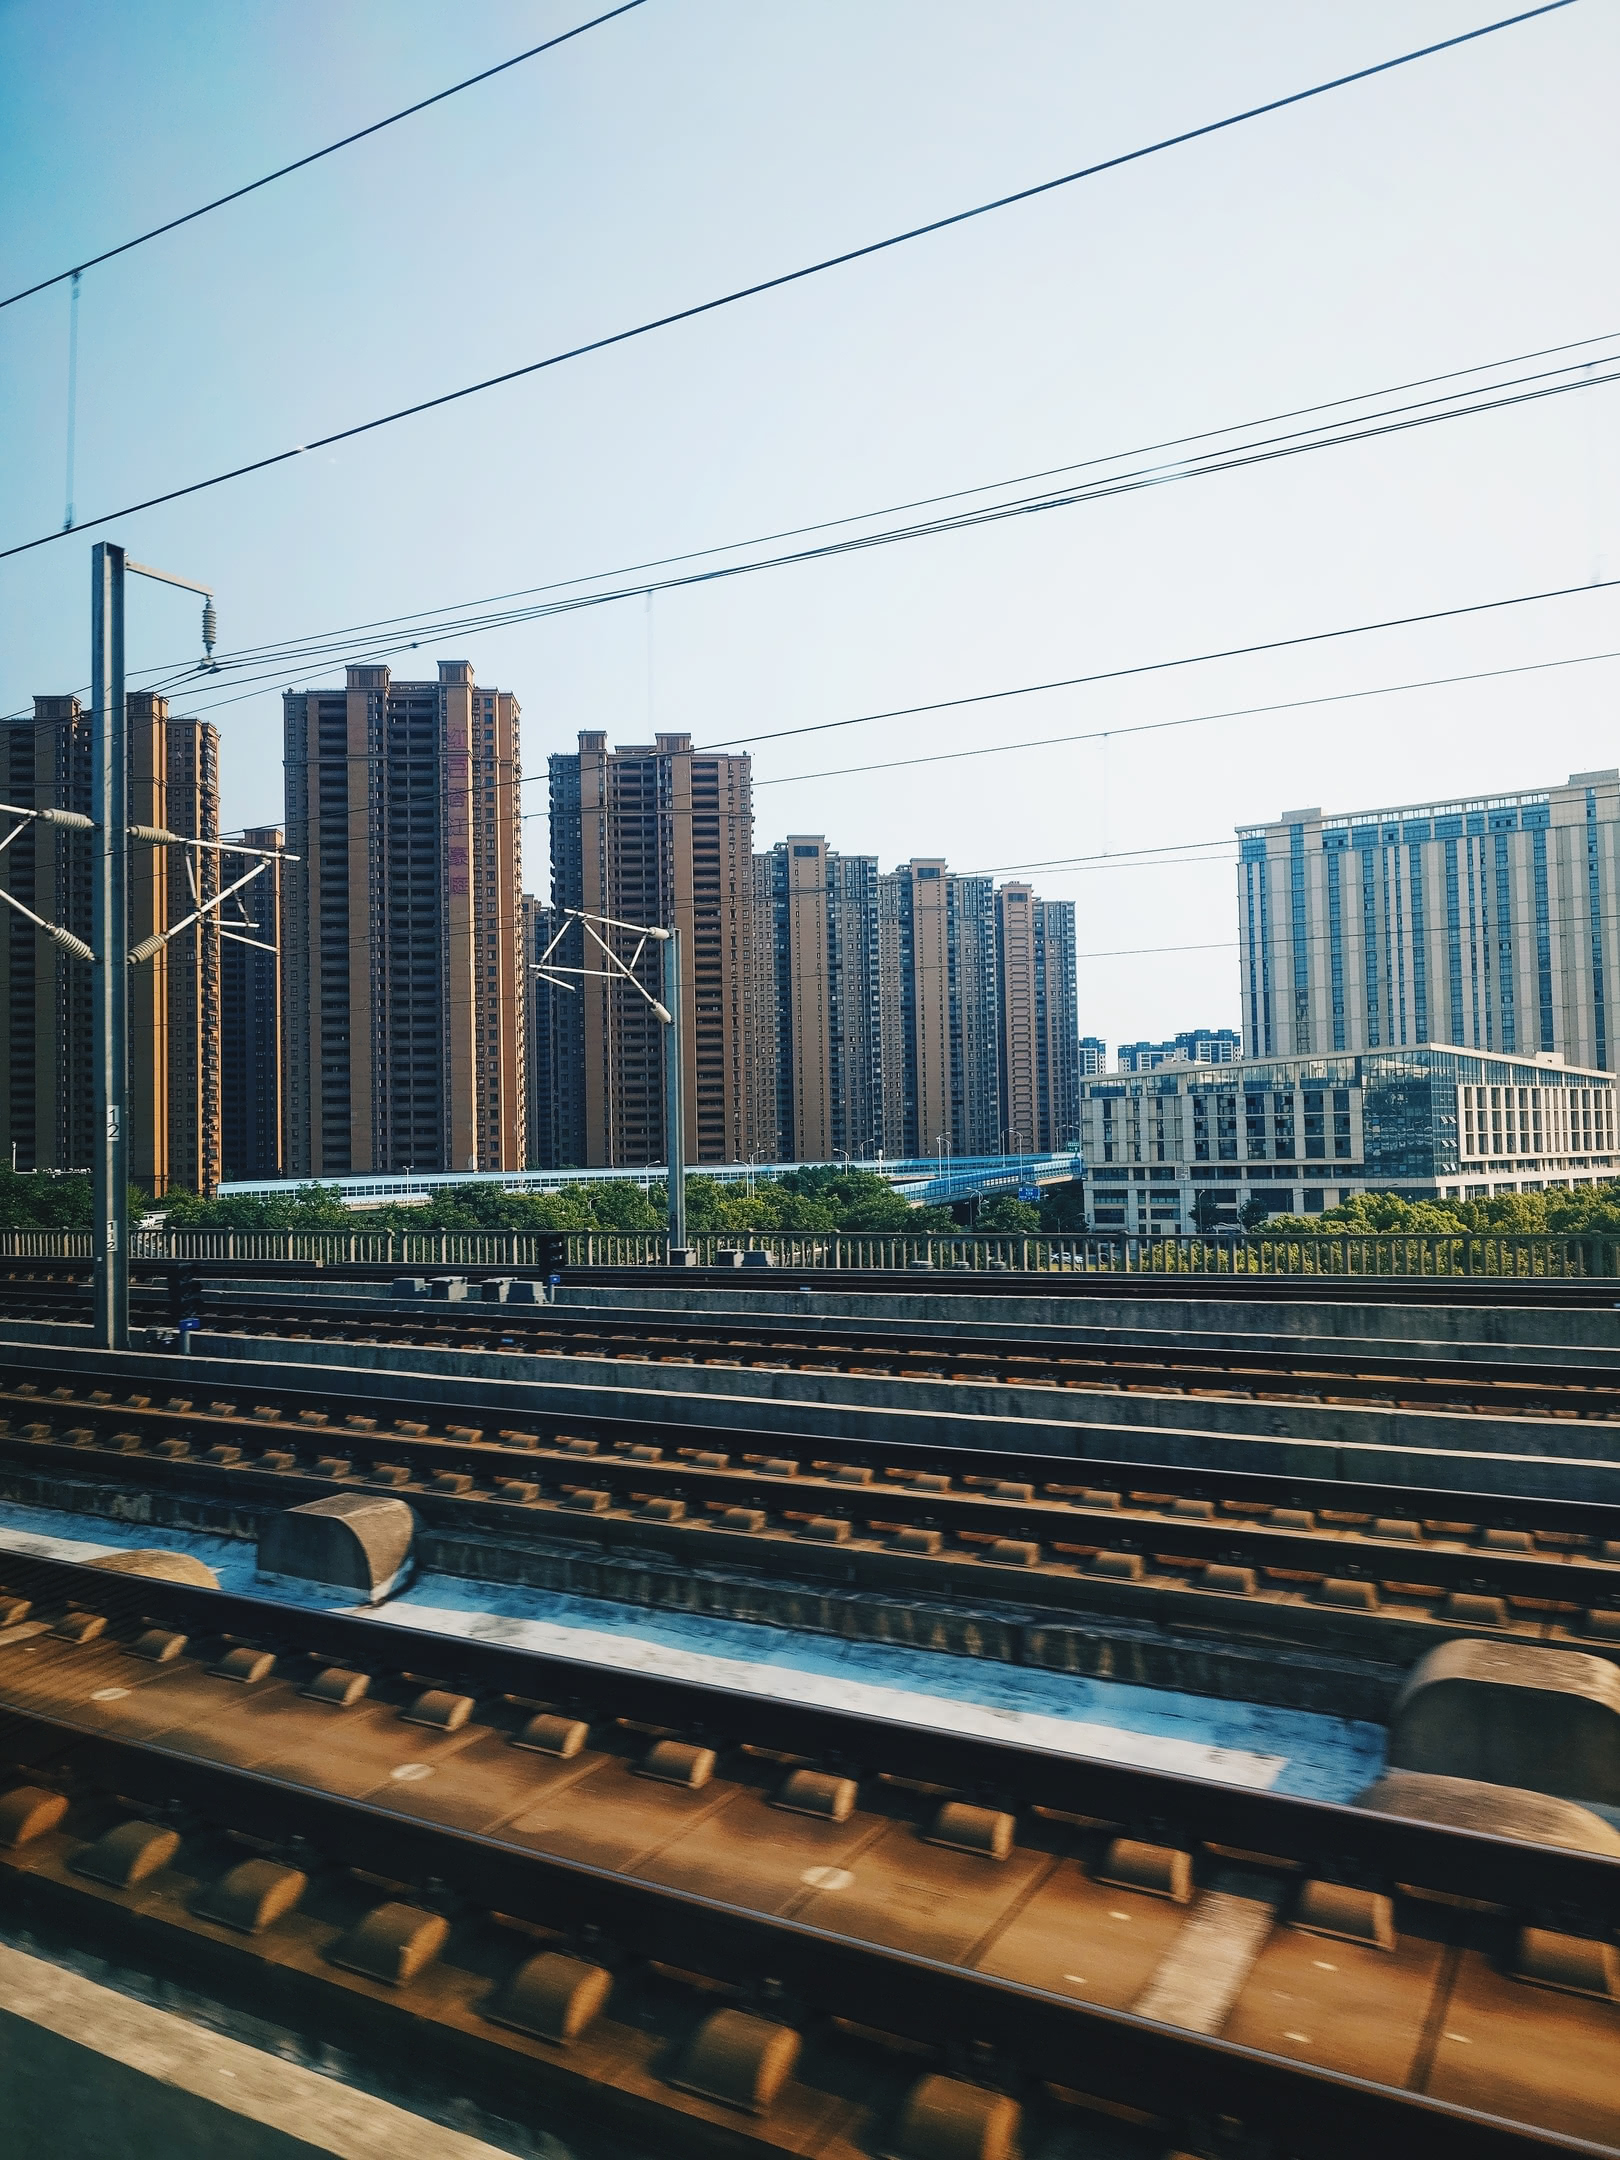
(1453,212)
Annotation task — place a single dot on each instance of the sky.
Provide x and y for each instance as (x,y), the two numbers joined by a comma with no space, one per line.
(1453,213)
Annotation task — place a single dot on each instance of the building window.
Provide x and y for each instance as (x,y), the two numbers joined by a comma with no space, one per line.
(1226,1128)
(1544,995)
(1369,944)
(1594,906)
(1301,944)
(1341,1124)
(1254,1120)
(1504,943)
(1420,958)
(1336,944)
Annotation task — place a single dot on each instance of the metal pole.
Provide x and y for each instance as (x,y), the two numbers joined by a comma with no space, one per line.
(109,901)
(675,1101)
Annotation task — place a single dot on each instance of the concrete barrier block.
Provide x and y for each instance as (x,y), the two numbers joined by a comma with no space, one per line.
(358,1543)
(162,1566)
(1512,1714)
(1497,1810)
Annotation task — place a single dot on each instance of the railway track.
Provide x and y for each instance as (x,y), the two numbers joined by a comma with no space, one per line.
(928,1351)
(1359,1570)
(1309,1375)
(722,1923)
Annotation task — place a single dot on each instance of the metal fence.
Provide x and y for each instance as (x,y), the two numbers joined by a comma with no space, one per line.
(1462,1254)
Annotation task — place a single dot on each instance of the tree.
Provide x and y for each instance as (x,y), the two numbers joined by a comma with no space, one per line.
(1207,1210)
(1004,1213)
(1063,1207)
(40,1200)
(311,1207)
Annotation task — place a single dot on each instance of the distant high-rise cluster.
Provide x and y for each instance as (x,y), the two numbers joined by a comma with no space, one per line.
(1192,1046)
(370,1000)
(46,1074)
(833,1011)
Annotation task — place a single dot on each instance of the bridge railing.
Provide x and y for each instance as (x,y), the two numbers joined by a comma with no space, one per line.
(1390,1254)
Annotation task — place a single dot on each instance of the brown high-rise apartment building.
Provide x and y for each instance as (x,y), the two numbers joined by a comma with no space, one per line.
(404,979)
(186,973)
(658,834)
(1039,1032)
(939,1022)
(46,1093)
(818,1042)
(545,1119)
(46,1105)
(1020,1080)
(250,1012)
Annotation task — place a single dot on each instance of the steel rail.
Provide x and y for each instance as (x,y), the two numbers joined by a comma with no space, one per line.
(1352,1843)
(1062,1518)
(1479,1386)
(1111,2054)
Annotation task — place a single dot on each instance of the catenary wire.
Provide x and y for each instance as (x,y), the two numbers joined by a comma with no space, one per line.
(806,270)
(1153,667)
(1154,727)
(346,632)
(1130,483)
(377,653)
(314,156)
(1148,727)
(274,659)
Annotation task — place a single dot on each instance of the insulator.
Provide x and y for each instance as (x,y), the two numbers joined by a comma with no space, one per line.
(210,627)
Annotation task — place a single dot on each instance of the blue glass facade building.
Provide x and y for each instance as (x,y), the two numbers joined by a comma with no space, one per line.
(1487,924)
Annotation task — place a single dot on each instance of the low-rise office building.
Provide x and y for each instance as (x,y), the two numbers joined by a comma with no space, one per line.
(1303,1134)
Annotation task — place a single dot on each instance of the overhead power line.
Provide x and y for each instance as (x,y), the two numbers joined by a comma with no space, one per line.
(387,636)
(447,609)
(314,157)
(807,270)
(1253,453)
(1184,720)
(1137,952)
(1159,667)
(273,662)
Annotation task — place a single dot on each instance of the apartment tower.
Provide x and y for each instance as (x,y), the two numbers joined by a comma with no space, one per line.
(1038,1041)
(817,1045)
(46,1105)
(46,1073)
(654,834)
(250,1023)
(404,979)
(938,1012)
(544,1121)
